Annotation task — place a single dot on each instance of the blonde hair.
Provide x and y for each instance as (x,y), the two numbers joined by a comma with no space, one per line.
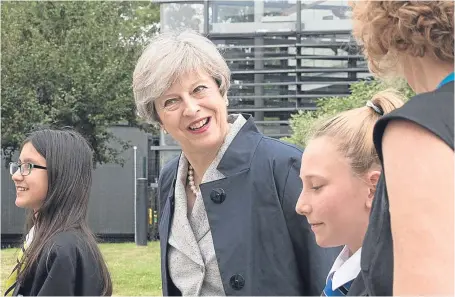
(352,130)
(166,59)
(387,30)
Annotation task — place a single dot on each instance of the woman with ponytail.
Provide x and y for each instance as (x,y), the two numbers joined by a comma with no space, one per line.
(340,170)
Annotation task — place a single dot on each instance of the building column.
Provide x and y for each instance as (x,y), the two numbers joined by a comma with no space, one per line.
(259,65)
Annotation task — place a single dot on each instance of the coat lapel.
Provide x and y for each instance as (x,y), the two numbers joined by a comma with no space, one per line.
(181,235)
(163,229)
(241,150)
(198,219)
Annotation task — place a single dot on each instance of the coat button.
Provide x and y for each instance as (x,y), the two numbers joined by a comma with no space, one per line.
(218,195)
(237,281)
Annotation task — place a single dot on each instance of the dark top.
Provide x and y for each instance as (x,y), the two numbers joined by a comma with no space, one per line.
(434,112)
(66,267)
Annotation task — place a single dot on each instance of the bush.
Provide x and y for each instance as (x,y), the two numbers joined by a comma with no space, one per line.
(303,122)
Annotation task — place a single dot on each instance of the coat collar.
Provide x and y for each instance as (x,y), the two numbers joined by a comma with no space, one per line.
(241,151)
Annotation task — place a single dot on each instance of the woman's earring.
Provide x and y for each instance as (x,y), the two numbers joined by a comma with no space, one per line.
(227,102)
(164,130)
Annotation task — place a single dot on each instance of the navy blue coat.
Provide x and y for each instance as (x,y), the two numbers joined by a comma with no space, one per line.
(262,245)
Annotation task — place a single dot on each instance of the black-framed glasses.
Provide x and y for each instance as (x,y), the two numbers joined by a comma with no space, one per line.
(24,168)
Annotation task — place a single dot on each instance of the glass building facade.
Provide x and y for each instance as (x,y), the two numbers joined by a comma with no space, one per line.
(283,54)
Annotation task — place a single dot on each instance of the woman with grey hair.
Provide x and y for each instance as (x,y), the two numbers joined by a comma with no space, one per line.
(228,224)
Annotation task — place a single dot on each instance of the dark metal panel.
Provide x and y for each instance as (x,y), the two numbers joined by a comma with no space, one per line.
(206,17)
(13,217)
(111,207)
(308,57)
(252,108)
(288,83)
(265,97)
(271,33)
(303,70)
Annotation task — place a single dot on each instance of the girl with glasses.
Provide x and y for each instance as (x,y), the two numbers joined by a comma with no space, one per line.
(60,255)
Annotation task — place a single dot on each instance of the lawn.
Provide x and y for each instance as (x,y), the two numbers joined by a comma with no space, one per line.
(135,270)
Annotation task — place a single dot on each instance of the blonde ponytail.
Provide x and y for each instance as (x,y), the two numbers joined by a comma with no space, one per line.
(352,130)
(387,100)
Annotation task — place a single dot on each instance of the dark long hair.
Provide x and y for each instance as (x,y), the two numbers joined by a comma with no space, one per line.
(69,161)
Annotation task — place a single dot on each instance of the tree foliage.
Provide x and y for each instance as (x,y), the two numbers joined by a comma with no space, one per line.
(179,16)
(303,122)
(70,64)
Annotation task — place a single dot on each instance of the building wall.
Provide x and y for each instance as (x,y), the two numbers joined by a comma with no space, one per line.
(283,54)
(111,207)
(228,16)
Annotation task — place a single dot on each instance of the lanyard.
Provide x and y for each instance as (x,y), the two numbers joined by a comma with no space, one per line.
(449,78)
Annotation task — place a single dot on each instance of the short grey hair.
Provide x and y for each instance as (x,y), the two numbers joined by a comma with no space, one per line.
(168,57)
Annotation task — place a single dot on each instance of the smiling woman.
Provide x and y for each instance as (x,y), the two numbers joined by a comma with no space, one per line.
(60,256)
(31,189)
(227,205)
(194,113)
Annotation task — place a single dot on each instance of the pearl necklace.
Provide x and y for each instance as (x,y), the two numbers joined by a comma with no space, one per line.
(191,179)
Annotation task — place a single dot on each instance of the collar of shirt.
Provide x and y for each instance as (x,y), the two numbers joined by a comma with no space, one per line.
(29,236)
(345,268)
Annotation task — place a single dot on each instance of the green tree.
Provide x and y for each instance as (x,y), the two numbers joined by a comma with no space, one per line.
(177,16)
(70,64)
(303,122)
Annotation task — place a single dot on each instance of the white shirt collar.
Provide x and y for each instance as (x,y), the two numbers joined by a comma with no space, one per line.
(29,236)
(345,268)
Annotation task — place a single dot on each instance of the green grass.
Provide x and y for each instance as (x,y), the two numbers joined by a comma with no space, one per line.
(8,261)
(135,270)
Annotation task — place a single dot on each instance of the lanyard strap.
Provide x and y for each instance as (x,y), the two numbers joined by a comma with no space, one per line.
(449,78)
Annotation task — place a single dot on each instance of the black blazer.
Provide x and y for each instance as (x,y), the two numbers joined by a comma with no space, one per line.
(65,267)
(358,287)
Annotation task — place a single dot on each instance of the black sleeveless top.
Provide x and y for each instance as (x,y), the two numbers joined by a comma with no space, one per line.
(433,111)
